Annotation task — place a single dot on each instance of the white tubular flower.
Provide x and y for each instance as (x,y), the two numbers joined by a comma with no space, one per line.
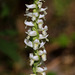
(30,6)
(32,15)
(41,70)
(40,23)
(33,58)
(29,23)
(36,44)
(39,4)
(42,44)
(31,33)
(43,73)
(43,54)
(44,10)
(42,36)
(41,0)
(42,16)
(28,43)
(32,74)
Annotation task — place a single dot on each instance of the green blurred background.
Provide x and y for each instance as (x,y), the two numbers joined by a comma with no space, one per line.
(14,58)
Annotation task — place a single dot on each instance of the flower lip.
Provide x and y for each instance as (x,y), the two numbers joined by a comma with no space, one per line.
(28,23)
(36,44)
(28,43)
(41,70)
(42,44)
(30,6)
(31,33)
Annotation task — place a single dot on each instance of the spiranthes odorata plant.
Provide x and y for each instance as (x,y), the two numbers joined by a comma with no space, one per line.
(39,35)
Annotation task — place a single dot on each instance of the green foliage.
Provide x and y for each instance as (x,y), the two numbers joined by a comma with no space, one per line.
(63,40)
(9,48)
(61,6)
(5,10)
(51,73)
(73,36)
(10,33)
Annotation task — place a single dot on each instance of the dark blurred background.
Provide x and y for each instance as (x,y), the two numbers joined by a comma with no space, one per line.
(14,58)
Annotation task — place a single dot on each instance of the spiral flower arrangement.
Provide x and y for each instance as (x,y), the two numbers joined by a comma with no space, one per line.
(37,36)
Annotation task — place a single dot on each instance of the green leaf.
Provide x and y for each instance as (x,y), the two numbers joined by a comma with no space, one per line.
(73,36)
(10,33)
(51,73)
(63,40)
(5,11)
(9,48)
(61,6)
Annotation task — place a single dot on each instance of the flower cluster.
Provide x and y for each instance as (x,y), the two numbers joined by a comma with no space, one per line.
(37,35)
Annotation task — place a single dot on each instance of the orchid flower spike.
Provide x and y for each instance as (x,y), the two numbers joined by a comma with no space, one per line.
(36,35)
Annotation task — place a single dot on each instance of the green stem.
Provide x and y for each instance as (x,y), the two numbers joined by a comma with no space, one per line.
(36,37)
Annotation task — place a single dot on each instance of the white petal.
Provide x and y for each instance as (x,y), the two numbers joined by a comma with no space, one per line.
(28,37)
(40,52)
(36,44)
(31,62)
(44,57)
(43,73)
(36,14)
(41,0)
(32,33)
(45,28)
(44,33)
(31,55)
(29,14)
(45,68)
(42,16)
(40,23)
(43,9)
(33,15)
(32,74)
(44,51)
(28,43)
(28,23)
(39,69)
(39,4)
(42,36)
(36,58)
(31,6)
(42,44)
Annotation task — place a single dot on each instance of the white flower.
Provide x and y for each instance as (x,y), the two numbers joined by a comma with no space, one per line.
(40,23)
(31,33)
(32,15)
(29,23)
(44,30)
(43,54)
(42,36)
(42,16)
(43,73)
(39,4)
(33,58)
(41,70)
(32,74)
(41,0)
(36,44)
(44,10)
(30,6)
(28,43)
(42,44)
